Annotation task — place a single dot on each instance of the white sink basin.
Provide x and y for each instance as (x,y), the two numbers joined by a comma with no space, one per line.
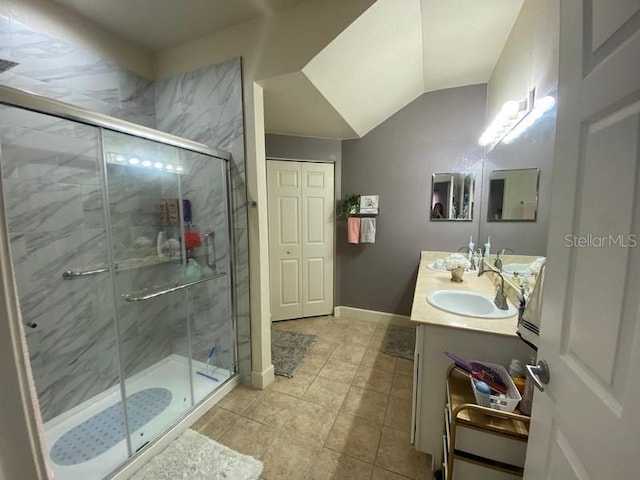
(522,269)
(468,304)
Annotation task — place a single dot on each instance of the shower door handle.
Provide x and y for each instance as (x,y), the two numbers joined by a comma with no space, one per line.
(208,245)
(73,274)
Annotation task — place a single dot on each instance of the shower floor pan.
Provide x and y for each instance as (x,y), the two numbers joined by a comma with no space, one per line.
(157,397)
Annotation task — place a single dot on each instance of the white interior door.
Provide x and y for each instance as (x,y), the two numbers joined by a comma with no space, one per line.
(317,238)
(301,246)
(586,424)
(284,196)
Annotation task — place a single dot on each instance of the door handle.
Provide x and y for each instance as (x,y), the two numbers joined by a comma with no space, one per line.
(539,374)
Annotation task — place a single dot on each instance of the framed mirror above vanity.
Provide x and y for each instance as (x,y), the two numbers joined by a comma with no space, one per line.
(513,195)
(452,196)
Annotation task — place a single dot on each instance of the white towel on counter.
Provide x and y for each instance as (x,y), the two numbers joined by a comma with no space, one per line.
(529,324)
(368,230)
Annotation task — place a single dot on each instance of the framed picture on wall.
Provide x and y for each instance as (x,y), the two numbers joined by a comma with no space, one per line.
(369,203)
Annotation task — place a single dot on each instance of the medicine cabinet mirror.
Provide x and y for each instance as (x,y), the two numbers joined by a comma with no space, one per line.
(513,195)
(452,196)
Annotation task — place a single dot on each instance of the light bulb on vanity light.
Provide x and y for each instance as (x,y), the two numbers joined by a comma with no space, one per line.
(146,163)
(134,161)
(158,165)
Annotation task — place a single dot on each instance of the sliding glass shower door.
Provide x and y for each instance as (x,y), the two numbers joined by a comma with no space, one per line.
(169,244)
(121,248)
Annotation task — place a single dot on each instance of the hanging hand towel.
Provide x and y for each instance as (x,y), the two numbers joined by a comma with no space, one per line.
(353,229)
(368,230)
(529,324)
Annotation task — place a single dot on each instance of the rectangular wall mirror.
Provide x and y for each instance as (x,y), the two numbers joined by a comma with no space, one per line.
(452,196)
(513,195)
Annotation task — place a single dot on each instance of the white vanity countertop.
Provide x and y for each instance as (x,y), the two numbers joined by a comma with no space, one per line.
(430,280)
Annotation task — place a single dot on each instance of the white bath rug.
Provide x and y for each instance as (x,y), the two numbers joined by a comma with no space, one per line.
(195,457)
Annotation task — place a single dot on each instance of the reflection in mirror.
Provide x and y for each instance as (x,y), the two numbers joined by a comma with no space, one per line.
(452,196)
(513,195)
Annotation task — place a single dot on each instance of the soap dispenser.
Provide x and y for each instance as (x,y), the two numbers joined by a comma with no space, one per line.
(472,246)
(487,249)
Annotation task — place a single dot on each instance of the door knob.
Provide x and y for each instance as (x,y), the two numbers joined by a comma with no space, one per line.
(539,374)
(288,252)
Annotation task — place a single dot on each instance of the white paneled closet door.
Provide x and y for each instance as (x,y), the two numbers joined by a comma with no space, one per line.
(301,247)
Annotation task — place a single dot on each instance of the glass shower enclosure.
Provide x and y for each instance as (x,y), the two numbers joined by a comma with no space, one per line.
(121,245)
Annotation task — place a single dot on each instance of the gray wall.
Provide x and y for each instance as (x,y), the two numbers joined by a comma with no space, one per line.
(438,132)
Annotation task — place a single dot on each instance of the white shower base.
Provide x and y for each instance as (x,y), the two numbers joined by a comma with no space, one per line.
(170,373)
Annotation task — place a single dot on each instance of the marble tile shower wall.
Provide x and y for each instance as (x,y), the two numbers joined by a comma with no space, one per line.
(206,105)
(52,193)
(55,69)
(68,232)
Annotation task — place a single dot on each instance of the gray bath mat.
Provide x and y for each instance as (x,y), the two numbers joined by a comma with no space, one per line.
(197,457)
(400,342)
(288,349)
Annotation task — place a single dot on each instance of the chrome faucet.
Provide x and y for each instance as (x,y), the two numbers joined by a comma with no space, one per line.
(501,299)
(499,255)
(480,261)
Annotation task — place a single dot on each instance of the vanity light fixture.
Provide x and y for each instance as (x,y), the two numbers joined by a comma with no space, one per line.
(540,107)
(514,118)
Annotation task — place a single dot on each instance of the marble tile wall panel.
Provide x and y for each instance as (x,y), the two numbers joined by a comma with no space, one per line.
(64,190)
(53,68)
(206,106)
(5,38)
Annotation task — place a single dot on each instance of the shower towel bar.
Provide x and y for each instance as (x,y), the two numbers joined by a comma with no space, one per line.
(148,294)
(74,274)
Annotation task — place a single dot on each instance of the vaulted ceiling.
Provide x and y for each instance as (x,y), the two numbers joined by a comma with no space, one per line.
(393,52)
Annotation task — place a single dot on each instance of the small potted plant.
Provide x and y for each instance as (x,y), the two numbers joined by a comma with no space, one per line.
(350,205)
(457,263)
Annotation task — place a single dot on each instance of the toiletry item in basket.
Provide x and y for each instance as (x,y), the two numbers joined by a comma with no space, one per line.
(479,372)
(527,396)
(186,211)
(174,211)
(163,212)
(516,372)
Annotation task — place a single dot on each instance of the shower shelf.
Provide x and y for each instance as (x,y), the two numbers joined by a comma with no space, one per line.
(149,293)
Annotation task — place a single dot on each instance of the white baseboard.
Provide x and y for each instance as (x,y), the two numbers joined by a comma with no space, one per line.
(262,380)
(373,316)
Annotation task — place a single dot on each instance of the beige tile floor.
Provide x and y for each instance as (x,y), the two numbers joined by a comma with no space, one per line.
(345,415)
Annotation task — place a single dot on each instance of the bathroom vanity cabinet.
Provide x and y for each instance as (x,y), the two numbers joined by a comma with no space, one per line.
(491,340)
